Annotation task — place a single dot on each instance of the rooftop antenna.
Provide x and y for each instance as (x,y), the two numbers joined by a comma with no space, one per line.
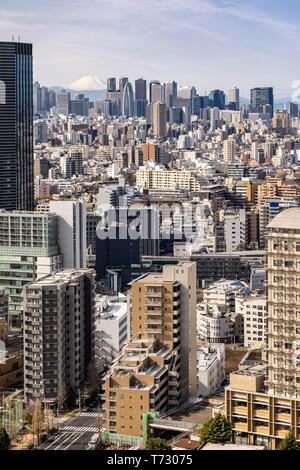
(13,38)
(19,38)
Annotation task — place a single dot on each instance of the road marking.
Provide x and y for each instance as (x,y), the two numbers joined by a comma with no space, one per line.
(80,428)
(76,439)
(69,436)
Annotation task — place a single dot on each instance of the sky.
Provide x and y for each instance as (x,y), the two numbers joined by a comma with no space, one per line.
(206,43)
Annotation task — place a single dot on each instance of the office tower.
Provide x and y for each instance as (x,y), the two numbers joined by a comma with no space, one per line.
(80,105)
(127,100)
(293,109)
(170,93)
(71,231)
(63,102)
(214,118)
(154,92)
(198,103)
(229,150)
(111,84)
(44,99)
(281,122)
(234,99)
(186,92)
(28,250)
(52,99)
(122,83)
(59,324)
(161,356)
(140,89)
(36,98)
(140,96)
(16,127)
(160,119)
(217,99)
(261,97)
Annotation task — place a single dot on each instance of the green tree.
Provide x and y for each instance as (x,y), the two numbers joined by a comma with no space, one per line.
(156,443)
(4,439)
(215,430)
(289,443)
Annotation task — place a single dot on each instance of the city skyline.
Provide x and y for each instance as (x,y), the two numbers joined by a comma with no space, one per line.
(161,38)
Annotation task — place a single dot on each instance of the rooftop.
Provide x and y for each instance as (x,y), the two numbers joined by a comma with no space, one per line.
(289,219)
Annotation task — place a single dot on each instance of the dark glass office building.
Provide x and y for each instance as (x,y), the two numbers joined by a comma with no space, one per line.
(16,127)
(262,99)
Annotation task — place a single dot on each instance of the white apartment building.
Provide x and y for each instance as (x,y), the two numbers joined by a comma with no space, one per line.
(111,332)
(222,293)
(215,326)
(254,311)
(235,230)
(211,368)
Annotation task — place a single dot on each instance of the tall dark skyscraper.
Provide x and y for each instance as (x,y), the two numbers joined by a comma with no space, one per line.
(261,98)
(140,89)
(16,126)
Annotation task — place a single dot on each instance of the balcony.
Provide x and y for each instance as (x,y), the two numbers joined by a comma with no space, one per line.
(261,413)
(242,410)
(240,426)
(262,430)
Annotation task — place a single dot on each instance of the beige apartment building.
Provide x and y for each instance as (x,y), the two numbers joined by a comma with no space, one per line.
(167,179)
(157,369)
(263,402)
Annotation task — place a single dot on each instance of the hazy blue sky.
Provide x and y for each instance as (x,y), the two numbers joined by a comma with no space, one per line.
(206,43)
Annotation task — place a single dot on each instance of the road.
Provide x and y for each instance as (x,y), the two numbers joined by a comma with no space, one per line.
(75,432)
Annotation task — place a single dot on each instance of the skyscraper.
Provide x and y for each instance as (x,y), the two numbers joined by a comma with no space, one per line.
(127,100)
(234,98)
(217,99)
(140,89)
(63,102)
(111,84)
(160,119)
(261,97)
(16,126)
(170,93)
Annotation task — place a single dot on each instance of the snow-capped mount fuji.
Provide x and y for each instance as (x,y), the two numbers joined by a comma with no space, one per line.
(88,83)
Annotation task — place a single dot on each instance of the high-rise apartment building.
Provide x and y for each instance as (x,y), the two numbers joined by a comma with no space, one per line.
(160,119)
(229,150)
(261,97)
(157,369)
(16,127)
(28,250)
(59,324)
(263,400)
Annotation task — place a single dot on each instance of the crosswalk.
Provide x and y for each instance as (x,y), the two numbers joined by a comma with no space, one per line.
(88,414)
(80,429)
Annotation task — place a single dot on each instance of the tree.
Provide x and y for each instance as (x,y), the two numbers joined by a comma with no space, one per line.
(215,430)
(37,419)
(4,439)
(62,396)
(156,443)
(289,443)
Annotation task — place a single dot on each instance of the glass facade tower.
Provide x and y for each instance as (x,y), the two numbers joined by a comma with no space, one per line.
(16,127)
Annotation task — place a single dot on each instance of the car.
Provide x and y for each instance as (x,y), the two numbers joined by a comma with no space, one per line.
(85,409)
